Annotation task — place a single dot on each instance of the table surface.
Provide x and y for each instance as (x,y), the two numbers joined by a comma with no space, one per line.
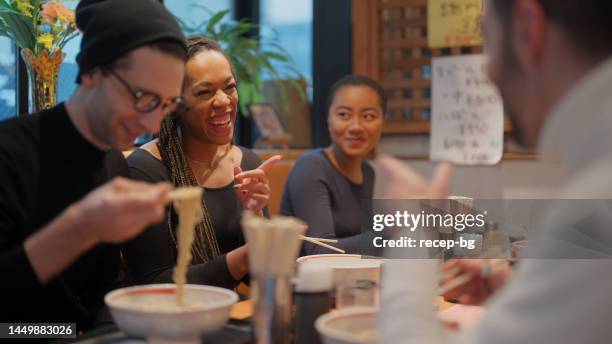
(234,332)
(237,331)
(243,310)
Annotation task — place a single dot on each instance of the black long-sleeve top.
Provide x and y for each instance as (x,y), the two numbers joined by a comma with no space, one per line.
(152,255)
(332,206)
(46,165)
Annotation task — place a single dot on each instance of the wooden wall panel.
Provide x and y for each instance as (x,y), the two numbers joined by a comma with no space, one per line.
(390,45)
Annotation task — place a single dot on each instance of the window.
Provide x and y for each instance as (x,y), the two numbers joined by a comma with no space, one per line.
(291,23)
(68,73)
(66,82)
(8,71)
(194,12)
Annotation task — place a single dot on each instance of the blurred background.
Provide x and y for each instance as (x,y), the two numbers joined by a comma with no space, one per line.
(310,44)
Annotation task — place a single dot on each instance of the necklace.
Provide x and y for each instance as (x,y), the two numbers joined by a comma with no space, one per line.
(209,168)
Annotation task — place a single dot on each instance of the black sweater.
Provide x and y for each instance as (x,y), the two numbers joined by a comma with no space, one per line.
(46,165)
(152,255)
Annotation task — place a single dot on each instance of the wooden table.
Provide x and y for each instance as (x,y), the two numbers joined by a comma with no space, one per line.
(244,309)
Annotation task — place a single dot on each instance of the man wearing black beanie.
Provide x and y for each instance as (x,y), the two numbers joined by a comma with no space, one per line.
(57,236)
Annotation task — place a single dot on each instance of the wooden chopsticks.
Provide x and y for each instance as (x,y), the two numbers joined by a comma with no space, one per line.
(322,242)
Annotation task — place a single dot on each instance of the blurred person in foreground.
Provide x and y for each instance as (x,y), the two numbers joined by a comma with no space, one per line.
(552,62)
(58,256)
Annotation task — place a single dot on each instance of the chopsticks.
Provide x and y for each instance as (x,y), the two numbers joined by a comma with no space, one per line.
(454,283)
(322,242)
(322,239)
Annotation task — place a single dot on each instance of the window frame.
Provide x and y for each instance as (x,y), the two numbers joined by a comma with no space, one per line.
(21,85)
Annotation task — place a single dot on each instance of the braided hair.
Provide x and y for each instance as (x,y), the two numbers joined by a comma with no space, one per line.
(205,245)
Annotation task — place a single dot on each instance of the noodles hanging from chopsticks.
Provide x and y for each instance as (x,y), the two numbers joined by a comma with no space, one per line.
(187,204)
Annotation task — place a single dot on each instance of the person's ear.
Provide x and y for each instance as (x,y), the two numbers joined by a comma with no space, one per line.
(92,77)
(529,30)
(329,116)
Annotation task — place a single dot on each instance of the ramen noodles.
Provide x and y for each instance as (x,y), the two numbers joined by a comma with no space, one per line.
(160,305)
(187,202)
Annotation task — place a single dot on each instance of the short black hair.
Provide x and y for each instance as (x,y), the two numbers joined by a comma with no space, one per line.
(358,80)
(588,23)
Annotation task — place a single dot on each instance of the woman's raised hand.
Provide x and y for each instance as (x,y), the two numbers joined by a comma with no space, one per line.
(253,187)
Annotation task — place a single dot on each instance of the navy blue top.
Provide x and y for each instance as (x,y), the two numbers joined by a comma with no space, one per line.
(332,205)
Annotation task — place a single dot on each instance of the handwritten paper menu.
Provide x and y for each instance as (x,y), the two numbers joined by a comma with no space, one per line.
(467,125)
(452,23)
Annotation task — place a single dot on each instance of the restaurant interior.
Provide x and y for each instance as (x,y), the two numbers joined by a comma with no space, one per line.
(323,171)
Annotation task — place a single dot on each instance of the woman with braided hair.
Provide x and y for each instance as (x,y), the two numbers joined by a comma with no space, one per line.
(195,147)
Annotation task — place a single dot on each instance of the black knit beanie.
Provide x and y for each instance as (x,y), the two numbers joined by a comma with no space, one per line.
(112,28)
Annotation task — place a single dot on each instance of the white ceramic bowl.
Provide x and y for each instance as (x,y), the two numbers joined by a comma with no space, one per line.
(133,311)
(357,325)
(347,268)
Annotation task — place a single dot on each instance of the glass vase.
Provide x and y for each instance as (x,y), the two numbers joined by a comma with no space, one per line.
(43,71)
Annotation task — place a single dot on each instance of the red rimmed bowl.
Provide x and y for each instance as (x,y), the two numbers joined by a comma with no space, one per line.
(148,311)
(357,325)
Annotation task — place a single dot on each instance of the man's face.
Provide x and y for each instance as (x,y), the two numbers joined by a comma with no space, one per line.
(506,71)
(112,115)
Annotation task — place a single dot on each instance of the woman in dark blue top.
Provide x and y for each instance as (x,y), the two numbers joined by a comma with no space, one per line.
(331,189)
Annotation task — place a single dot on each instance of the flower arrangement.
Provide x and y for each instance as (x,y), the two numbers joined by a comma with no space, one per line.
(41,28)
(37,25)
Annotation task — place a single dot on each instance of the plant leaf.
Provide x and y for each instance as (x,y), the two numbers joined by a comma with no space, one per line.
(249,59)
(21,28)
(276,56)
(215,19)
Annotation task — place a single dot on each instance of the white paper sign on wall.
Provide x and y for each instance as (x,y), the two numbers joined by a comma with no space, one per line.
(467,125)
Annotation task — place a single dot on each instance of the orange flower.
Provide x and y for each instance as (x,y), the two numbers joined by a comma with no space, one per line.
(65,15)
(53,11)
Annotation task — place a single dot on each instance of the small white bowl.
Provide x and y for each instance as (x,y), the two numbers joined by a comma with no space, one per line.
(356,325)
(347,268)
(134,312)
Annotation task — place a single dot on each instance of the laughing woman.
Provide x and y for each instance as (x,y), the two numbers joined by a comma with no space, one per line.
(195,148)
(331,189)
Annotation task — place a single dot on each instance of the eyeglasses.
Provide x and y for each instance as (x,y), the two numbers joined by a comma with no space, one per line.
(145,101)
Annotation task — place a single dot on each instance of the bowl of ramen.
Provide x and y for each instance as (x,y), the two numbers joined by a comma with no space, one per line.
(347,268)
(152,312)
(355,325)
